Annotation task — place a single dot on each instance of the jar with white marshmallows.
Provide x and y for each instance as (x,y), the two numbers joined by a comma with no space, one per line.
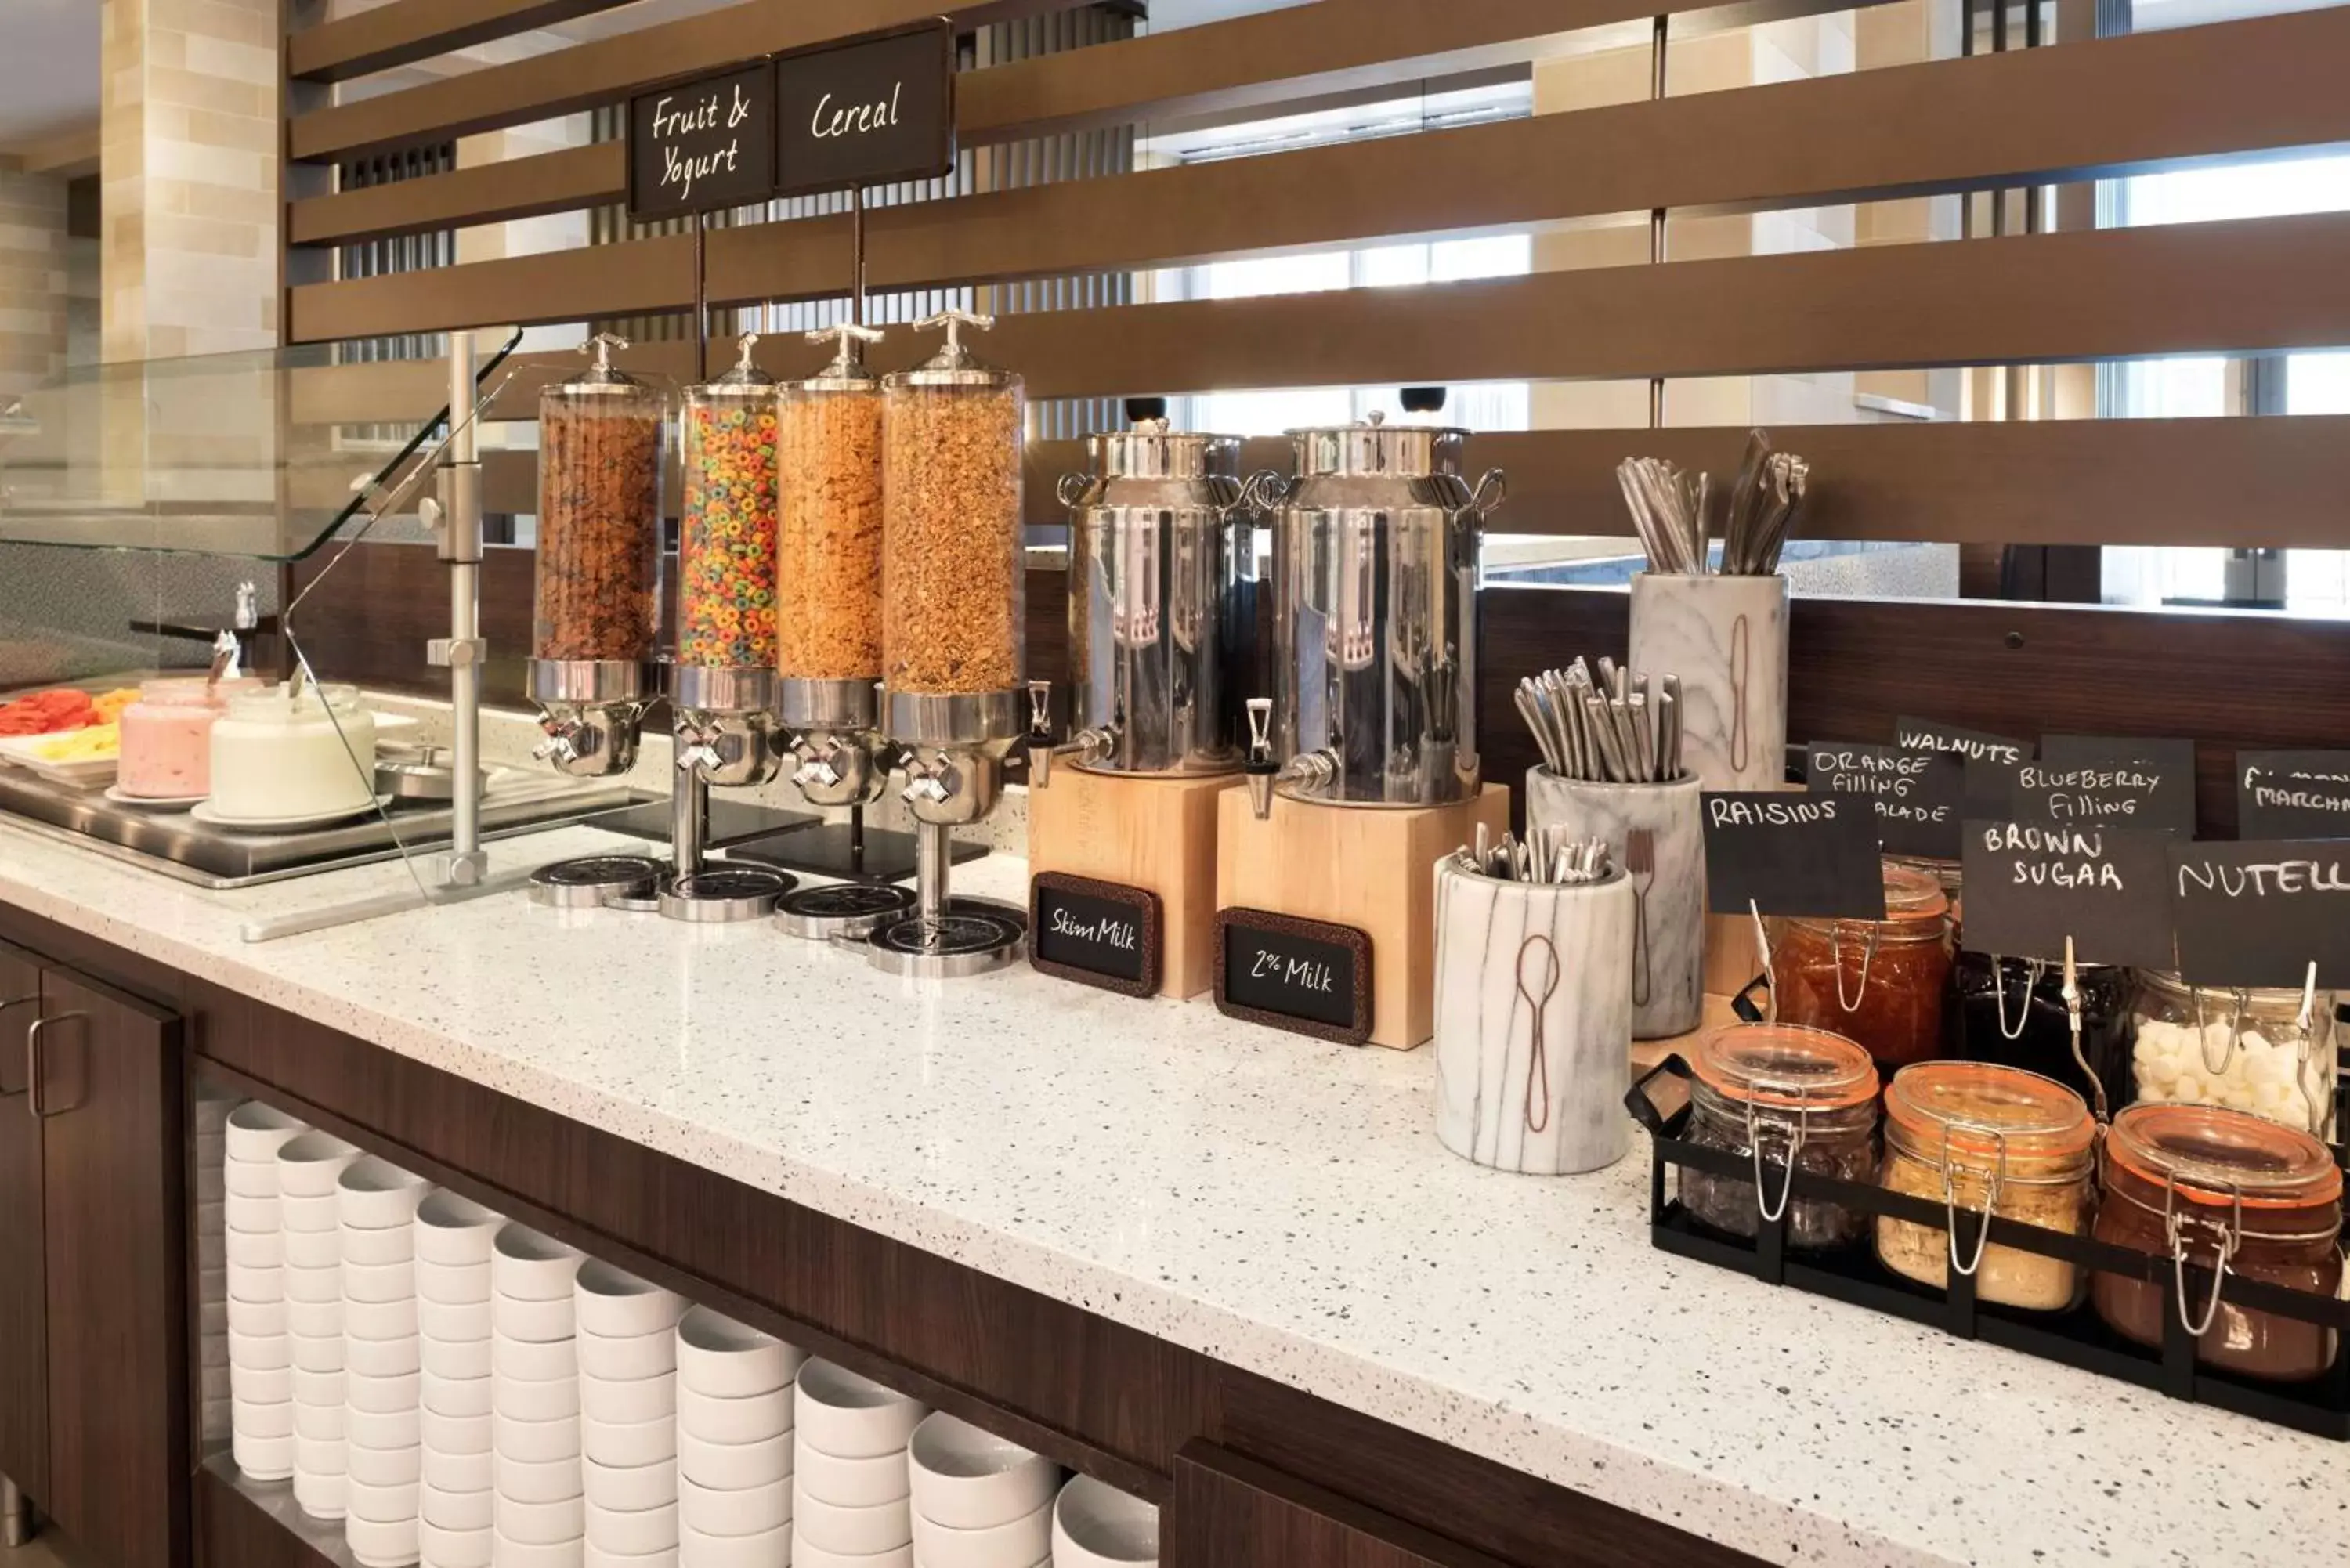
(2270,1051)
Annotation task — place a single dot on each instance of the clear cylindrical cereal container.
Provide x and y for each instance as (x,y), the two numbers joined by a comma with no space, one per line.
(829,544)
(726,527)
(950,538)
(600,516)
(2247,1049)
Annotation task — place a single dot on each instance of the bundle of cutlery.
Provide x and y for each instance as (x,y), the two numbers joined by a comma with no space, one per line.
(1544,855)
(1613,726)
(1670,508)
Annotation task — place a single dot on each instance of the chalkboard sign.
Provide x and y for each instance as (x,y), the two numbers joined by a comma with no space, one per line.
(1306,976)
(702,144)
(866,113)
(1095,933)
(2260,914)
(1788,854)
(2030,885)
(2127,780)
(1991,761)
(2293,794)
(1920,796)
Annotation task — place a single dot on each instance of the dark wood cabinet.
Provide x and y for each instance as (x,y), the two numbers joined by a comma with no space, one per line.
(1229,1512)
(23,1275)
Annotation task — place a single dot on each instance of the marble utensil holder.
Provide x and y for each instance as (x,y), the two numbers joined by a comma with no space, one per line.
(1726,638)
(1533,1020)
(1667,968)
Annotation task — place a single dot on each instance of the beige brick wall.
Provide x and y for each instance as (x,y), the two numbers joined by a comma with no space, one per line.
(33,279)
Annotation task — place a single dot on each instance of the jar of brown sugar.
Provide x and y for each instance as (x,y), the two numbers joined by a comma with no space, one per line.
(2237,1195)
(1803,1099)
(1884,984)
(828,545)
(599,514)
(1996,1141)
(952,591)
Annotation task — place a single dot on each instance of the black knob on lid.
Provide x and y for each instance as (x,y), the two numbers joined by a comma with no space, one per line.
(1140,409)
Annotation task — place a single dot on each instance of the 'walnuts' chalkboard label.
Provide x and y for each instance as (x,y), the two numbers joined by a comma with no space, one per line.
(1095,933)
(2031,885)
(866,113)
(699,145)
(1783,853)
(1920,796)
(2261,914)
(1307,976)
(2293,794)
(1991,761)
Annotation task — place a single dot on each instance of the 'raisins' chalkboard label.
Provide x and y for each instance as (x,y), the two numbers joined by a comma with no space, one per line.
(702,144)
(1307,976)
(1919,797)
(2030,885)
(1095,933)
(2293,794)
(866,113)
(2127,781)
(2261,913)
(1786,853)
(1991,761)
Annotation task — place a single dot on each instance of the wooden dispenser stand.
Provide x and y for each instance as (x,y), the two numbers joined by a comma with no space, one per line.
(1371,868)
(1156,834)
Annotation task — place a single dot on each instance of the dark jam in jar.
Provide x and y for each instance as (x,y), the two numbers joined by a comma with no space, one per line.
(1808,1099)
(2204,1182)
(1883,983)
(2015,1014)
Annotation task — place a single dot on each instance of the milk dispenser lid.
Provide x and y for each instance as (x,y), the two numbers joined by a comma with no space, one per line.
(743,379)
(847,372)
(1147,449)
(1374,447)
(601,376)
(954,365)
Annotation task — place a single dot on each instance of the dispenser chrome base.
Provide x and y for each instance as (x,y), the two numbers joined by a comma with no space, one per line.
(595,881)
(840,911)
(723,895)
(592,710)
(976,936)
(838,849)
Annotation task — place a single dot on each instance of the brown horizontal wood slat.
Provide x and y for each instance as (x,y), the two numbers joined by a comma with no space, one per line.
(515,187)
(406,31)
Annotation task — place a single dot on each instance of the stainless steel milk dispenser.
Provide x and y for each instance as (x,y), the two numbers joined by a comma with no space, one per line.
(1162,602)
(1375,619)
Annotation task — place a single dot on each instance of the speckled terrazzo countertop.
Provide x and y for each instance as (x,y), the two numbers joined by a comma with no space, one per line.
(1278,1203)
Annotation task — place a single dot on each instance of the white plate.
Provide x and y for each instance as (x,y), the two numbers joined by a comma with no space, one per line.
(210,818)
(85,774)
(151,803)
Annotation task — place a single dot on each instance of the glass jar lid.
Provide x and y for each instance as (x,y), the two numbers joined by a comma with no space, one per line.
(954,365)
(1986,1117)
(601,378)
(743,379)
(1789,1066)
(280,705)
(1374,447)
(2271,1002)
(2214,1156)
(847,372)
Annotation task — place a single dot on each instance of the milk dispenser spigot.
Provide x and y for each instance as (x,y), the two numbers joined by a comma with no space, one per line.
(952,633)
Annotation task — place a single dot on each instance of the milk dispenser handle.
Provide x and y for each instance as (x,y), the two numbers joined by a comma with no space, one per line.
(1263,491)
(1492,489)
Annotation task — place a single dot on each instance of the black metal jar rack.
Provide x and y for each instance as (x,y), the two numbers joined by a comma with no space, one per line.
(2077,1337)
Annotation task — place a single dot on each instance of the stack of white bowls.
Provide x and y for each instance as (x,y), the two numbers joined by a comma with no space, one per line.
(456,1505)
(541,1515)
(1097,1526)
(733,1443)
(260,1358)
(628,1384)
(980,1501)
(308,1168)
(850,1480)
(211,1120)
(375,1213)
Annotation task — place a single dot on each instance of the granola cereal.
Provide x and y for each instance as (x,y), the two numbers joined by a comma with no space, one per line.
(829,541)
(598,593)
(952,559)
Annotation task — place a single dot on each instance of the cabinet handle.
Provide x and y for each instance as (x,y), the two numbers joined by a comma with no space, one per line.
(5,1003)
(33,1063)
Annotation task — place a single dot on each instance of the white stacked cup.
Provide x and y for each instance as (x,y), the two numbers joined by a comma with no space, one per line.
(850,1501)
(980,1500)
(260,1357)
(376,1205)
(1097,1526)
(309,1167)
(209,1119)
(733,1443)
(540,1515)
(456,1502)
(627,1381)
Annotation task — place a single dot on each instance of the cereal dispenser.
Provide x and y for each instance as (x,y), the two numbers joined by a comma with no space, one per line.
(951,631)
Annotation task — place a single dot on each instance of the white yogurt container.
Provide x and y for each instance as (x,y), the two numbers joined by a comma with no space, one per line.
(278,755)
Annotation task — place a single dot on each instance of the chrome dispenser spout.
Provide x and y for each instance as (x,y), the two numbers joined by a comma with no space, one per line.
(1261,770)
(1086,745)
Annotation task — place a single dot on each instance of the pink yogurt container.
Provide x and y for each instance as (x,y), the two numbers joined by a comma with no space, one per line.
(167,737)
